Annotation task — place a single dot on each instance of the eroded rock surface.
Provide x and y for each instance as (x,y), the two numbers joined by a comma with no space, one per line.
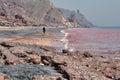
(23,62)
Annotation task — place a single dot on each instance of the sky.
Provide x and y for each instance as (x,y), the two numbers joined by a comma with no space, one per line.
(99,12)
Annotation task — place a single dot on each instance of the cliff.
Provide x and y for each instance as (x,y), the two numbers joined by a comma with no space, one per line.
(76,18)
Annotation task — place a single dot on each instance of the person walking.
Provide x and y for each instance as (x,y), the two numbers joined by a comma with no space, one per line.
(44,30)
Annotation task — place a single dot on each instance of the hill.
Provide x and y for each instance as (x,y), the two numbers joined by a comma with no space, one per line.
(37,12)
(31,12)
(76,18)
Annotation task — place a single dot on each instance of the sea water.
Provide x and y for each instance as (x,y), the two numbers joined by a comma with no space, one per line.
(93,39)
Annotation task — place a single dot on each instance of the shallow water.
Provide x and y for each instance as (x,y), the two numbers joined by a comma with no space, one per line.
(35,34)
(91,39)
(14,33)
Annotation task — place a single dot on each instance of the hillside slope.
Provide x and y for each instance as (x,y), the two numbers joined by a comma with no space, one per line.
(38,12)
(31,12)
(76,18)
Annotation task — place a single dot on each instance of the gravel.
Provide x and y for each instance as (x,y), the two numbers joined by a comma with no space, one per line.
(26,71)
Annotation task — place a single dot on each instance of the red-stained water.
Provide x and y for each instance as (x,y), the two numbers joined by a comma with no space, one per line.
(90,39)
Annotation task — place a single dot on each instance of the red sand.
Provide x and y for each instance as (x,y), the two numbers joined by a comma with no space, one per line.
(94,39)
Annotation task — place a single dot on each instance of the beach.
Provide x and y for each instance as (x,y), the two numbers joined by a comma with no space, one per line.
(28,54)
(33,35)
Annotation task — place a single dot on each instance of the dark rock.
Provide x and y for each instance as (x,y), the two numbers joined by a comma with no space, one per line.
(65,51)
(87,54)
(8,62)
(117,79)
(4,44)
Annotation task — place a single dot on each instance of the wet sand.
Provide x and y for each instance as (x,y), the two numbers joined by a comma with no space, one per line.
(33,35)
(83,39)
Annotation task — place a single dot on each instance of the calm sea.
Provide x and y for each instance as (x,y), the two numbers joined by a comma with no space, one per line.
(107,27)
(102,39)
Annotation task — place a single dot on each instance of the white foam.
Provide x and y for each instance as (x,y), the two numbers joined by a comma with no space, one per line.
(41,64)
(66,45)
(72,49)
(63,31)
(65,39)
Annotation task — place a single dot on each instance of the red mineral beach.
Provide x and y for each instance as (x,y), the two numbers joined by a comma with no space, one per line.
(91,39)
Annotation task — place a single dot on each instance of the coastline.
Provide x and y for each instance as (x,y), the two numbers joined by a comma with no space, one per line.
(93,40)
(35,56)
(65,40)
(34,36)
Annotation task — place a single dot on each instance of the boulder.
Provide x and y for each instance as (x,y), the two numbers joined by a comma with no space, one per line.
(4,77)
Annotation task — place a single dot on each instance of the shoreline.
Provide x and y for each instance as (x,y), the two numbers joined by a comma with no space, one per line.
(35,36)
(42,56)
(62,64)
(84,43)
(65,40)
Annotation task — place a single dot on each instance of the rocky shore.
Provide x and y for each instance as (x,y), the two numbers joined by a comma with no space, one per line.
(27,54)
(33,62)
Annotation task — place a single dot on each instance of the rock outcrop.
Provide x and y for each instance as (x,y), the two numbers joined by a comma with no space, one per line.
(67,65)
(76,18)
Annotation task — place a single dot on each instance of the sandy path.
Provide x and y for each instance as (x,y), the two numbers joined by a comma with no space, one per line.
(32,36)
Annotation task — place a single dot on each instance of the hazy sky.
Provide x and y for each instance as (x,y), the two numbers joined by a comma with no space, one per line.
(99,12)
